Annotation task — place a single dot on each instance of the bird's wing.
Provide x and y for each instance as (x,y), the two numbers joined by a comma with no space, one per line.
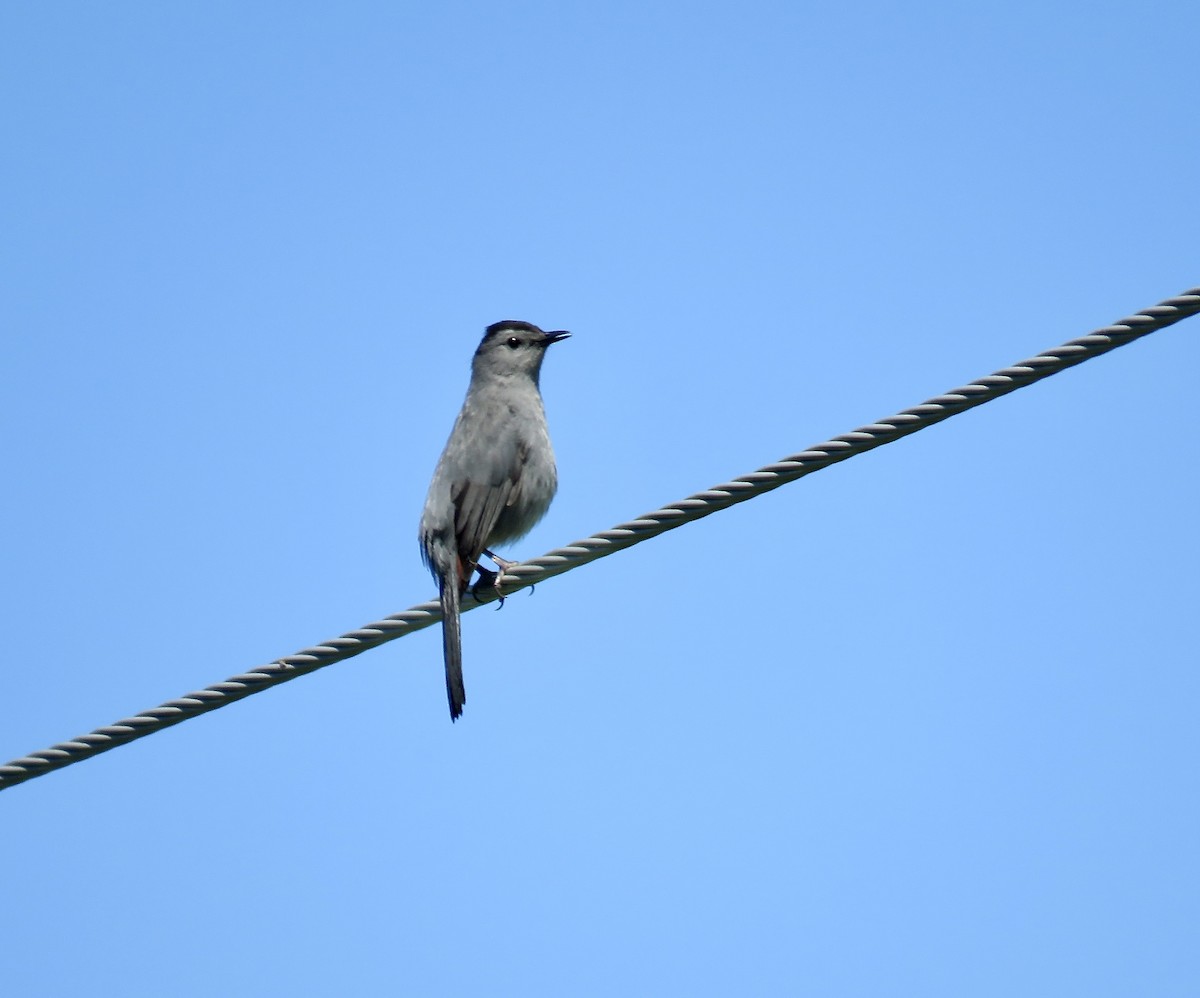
(479,505)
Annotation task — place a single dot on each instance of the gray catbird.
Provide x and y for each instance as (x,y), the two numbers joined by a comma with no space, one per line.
(495,478)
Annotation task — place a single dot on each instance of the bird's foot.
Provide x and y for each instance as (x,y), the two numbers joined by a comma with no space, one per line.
(497,578)
(487,578)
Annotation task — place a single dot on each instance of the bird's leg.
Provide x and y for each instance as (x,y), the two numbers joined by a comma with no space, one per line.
(498,577)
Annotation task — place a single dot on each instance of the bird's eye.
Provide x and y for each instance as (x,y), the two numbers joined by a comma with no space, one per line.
(513,342)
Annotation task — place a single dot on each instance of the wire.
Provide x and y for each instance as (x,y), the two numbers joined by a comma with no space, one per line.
(608,542)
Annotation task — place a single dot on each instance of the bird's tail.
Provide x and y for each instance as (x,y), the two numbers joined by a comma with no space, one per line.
(456,693)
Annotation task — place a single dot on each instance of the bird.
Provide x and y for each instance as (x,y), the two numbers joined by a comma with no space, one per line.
(495,479)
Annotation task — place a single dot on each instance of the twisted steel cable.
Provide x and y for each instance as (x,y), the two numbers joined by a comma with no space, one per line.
(607,542)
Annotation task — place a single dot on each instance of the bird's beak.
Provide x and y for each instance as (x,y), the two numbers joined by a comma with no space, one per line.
(556,335)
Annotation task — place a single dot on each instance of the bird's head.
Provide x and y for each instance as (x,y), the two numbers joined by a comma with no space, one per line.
(511,348)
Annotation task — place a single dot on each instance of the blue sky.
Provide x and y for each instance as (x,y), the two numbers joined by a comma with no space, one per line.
(921,724)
